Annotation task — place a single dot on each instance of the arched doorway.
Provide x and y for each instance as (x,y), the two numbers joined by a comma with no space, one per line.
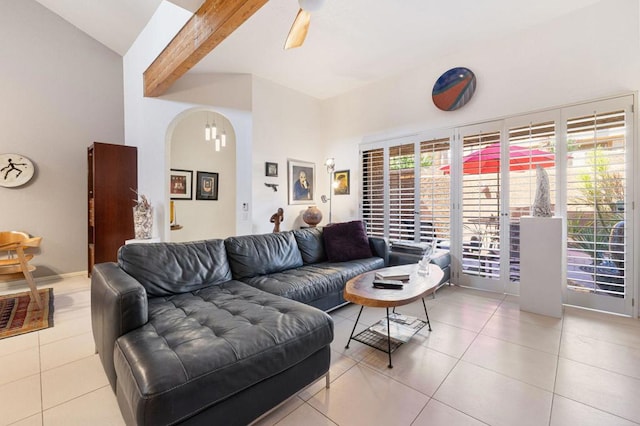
(202,177)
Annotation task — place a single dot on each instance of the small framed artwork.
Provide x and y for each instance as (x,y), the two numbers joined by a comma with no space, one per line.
(302,181)
(341,182)
(206,186)
(180,182)
(271,169)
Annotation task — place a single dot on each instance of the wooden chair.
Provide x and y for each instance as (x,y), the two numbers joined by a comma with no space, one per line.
(14,265)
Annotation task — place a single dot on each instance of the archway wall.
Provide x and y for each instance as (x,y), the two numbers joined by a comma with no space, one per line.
(149,122)
(272,123)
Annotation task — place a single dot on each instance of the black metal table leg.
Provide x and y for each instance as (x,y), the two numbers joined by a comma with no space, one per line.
(425,312)
(389,340)
(356,324)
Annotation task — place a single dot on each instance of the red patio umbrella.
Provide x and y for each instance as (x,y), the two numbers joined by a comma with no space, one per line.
(487,160)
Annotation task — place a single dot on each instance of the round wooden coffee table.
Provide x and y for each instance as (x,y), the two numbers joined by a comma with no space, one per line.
(360,290)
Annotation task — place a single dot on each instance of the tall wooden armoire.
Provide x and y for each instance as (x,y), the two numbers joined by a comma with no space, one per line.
(112,180)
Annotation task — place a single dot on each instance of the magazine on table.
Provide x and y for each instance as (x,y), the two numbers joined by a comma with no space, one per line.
(401,273)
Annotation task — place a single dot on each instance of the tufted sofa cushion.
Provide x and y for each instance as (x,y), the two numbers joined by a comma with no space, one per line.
(311,245)
(165,269)
(252,255)
(199,348)
(310,283)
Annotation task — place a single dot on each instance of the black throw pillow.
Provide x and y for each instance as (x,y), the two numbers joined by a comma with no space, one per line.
(346,241)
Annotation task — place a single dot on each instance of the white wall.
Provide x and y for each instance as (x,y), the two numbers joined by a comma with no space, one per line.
(60,91)
(286,125)
(590,54)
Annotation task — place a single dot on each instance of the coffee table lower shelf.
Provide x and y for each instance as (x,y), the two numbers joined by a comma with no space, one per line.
(382,342)
(389,334)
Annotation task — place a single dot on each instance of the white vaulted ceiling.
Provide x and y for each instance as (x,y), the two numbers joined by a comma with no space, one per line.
(350,42)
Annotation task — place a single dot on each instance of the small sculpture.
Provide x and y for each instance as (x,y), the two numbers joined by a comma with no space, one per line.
(142,217)
(276,218)
(542,202)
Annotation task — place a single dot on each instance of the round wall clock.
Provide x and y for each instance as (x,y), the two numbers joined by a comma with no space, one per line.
(15,170)
(454,89)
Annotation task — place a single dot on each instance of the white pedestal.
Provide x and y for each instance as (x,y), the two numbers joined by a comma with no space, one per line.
(147,240)
(541,263)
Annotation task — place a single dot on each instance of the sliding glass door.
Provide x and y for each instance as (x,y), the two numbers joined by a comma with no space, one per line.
(478,170)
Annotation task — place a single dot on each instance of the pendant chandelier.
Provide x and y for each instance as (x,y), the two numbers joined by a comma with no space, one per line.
(211,134)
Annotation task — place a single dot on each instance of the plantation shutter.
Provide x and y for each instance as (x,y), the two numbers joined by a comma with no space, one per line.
(402,201)
(596,206)
(480,209)
(536,138)
(373,191)
(435,200)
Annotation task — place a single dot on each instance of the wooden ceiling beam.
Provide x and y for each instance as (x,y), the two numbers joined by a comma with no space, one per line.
(213,22)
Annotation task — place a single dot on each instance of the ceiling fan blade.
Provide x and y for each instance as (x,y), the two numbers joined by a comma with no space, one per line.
(298,31)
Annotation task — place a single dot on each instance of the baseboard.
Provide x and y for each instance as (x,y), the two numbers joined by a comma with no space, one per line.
(22,284)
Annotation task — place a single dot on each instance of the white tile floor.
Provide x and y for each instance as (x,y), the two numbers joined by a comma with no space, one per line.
(485,362)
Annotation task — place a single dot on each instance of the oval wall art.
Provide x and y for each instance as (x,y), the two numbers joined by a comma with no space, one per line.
(454,89)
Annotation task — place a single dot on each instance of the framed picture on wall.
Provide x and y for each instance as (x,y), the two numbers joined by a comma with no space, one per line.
(206,186)
(180,184)
(271,169)
(302,181)
(341,182)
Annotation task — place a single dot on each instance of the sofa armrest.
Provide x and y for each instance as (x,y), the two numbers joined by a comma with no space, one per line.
(442,258)
(118,305)
(380,248)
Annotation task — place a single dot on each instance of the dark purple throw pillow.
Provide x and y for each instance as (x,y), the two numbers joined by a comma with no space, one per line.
(346,241)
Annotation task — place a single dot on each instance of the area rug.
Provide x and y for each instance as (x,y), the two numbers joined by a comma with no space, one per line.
(19,314)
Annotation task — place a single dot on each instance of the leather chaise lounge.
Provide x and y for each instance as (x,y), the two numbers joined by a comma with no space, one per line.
(221,331)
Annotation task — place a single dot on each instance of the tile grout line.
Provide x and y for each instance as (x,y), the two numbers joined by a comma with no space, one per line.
(432,397)
(516,344)
(555,377)
(504,375)
(562,334)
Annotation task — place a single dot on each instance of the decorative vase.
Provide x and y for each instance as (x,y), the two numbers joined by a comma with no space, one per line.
(142,223)
(312,216)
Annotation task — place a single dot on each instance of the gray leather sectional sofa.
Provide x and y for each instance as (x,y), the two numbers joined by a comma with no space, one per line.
(218,331)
